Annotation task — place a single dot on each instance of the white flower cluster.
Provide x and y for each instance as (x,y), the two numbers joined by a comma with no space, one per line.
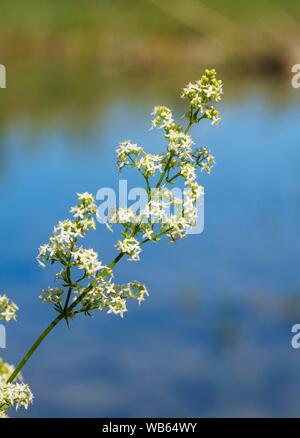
(123,216)
(66,233)
(87,260)
(157,219)
(8,309)
(112,297)
(127,153)
(130,246)
(180,160)
(179,143)
(12,394)
(163,118)
(149,164)
(101,293)
(130,154)
(201,95)
(62,247)
(52,295)
(179,157)
(176,225)
(204,159)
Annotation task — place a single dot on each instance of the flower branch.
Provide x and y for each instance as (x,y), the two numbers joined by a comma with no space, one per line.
(95,288)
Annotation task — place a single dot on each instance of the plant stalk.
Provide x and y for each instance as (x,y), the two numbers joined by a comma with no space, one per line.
(55,322)
(34,346)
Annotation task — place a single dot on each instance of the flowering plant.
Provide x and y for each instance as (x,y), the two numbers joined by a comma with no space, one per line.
(83,283)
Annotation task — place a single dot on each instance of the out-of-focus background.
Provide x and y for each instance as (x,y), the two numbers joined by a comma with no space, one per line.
(214,337)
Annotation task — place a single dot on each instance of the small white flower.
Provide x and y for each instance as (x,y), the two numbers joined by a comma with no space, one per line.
(125,152)
(149,164)
(52,295)
(180,143)
(188,171)
(163,118)
(66,233)
(87,260)
(117,306)
(86,198)
(15,395)
(8,309)
(201,94)
(131,247)
(148,232)
(123,216)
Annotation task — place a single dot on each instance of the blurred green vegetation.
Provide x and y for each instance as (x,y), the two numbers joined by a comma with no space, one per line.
(75,54)
(132,32)
(131,16)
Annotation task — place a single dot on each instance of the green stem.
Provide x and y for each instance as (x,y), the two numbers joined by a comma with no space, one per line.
(188,127)
(34,347)
(165,170)
(56,321)
(68,300)
(174,177)
(161,233)
(68,272)
(94,283)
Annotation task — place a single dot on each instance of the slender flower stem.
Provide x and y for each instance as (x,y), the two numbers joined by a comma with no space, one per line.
(94,283)
(188,127)
(156,236)
(68,300)
(173,177)
(34,346)
(165,170)
(172,154)
(68,271)
(56,321)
